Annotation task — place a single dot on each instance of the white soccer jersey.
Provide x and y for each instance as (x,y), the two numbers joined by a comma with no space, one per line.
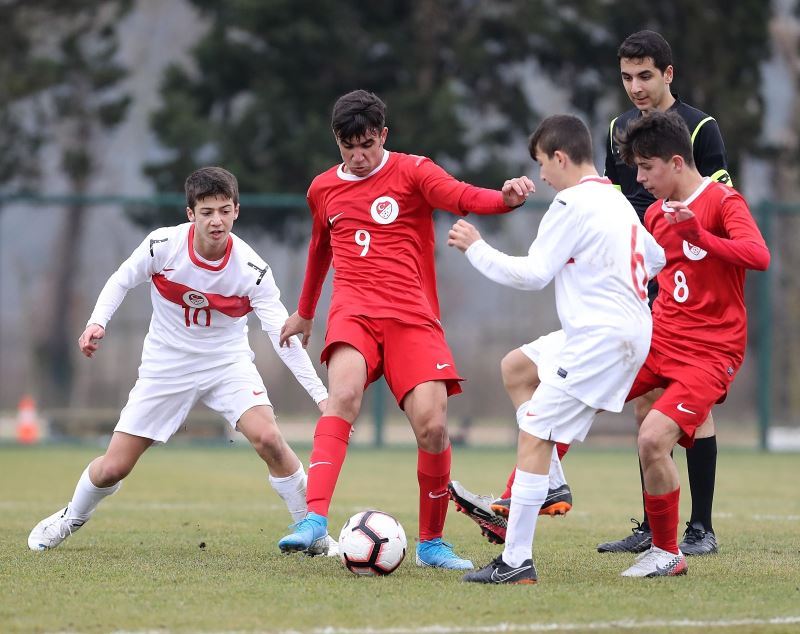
(592,243)
(200,308)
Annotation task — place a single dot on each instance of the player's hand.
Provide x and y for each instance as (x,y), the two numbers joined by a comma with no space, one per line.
(680,212)
(89,341)
(683,221)
(323,404)
(296,325)
(516,191)
(462,235)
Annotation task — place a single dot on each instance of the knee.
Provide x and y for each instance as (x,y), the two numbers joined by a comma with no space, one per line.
(651,446)
(109,471)
(507,371)
(345,402)
(268,442)
(431,432)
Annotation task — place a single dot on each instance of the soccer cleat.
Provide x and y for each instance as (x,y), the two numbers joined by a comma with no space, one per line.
(498,571)
(557,502)
(478,509)
(698,541)
(638,541)
(53,530)
(656,562)
(308,533)
(436,553)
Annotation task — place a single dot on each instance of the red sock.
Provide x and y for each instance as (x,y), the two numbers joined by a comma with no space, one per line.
(327,456)
(562,450)
(662,512)
(509,483)
(433,474)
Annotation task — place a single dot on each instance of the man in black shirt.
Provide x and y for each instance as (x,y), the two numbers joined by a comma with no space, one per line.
(645,60)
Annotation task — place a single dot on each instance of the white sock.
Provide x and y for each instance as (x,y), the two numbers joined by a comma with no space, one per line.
(556,472)
(87,496)
(527,496)
(292,490)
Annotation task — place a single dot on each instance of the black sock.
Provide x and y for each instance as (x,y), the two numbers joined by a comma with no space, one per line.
(701,461)
(645,526)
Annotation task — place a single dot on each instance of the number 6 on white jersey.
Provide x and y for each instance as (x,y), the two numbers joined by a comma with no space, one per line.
(362,240)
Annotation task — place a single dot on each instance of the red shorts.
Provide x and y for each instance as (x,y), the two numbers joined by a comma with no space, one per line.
(690,392)
(406,354)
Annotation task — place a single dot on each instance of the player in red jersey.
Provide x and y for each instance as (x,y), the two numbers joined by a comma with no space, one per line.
(699,316)
(372,218)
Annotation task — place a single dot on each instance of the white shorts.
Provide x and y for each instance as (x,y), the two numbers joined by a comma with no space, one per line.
(542,351)
(157,407)
(552,414)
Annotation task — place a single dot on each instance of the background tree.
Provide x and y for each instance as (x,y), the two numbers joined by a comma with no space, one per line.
(62,89)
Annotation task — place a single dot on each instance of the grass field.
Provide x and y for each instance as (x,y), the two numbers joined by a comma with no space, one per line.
(138,565)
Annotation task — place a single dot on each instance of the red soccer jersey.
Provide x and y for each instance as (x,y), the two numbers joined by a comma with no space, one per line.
(379,232)
(699,316)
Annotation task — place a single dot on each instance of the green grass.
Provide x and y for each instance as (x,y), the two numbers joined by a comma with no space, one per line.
(138,564)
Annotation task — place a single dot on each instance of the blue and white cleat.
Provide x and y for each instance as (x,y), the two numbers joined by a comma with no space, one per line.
(314,528)
(436,553)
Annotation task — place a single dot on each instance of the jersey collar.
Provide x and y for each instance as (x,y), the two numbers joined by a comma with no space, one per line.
(201,262)
(347,176)
(596,179)
(692,197)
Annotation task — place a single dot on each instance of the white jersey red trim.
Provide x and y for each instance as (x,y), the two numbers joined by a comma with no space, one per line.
(592,244)
(200,308)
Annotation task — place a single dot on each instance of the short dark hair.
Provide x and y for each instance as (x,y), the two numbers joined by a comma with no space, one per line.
(656,135)
(211,181)
(356,114)
(562,132)
(647,44)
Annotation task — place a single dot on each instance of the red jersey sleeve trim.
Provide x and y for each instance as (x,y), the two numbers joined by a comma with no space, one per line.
(198,262)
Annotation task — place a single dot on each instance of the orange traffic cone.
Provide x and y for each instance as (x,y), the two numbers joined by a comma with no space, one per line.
(27,421)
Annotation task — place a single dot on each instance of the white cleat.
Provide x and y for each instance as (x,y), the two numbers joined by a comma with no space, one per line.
(655,562)
(53,530)
(333,547)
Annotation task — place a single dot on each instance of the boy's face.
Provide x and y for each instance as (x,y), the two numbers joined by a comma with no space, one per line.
(213,218)
(551,168)
(658,176)
(363,154)
(647,87)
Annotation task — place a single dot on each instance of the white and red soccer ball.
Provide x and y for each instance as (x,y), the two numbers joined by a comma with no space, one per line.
(372,543)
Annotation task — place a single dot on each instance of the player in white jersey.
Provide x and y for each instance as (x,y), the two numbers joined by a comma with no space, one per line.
(204,282)
(593,245)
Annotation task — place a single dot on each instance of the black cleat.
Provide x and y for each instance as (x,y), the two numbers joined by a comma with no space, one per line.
(698,541)
(637,542)
(557,502)
(478,509)
(498,571)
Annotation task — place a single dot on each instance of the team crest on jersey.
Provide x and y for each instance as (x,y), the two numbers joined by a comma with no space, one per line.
(195,299)
(384,210)
(692,252)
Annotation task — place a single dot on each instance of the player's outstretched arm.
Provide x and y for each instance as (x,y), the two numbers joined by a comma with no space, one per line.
(296,325)
(89,341)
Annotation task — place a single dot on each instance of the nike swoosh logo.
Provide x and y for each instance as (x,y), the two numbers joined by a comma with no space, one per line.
(529,414)
(257,393)
(500,577)
(431,494)
(681,408)
(314,464)
(332,219)
(167,270)
(442,366)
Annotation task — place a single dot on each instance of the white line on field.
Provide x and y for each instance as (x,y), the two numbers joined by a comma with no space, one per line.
(519,627)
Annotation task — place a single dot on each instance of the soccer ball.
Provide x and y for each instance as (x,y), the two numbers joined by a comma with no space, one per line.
(372,543)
